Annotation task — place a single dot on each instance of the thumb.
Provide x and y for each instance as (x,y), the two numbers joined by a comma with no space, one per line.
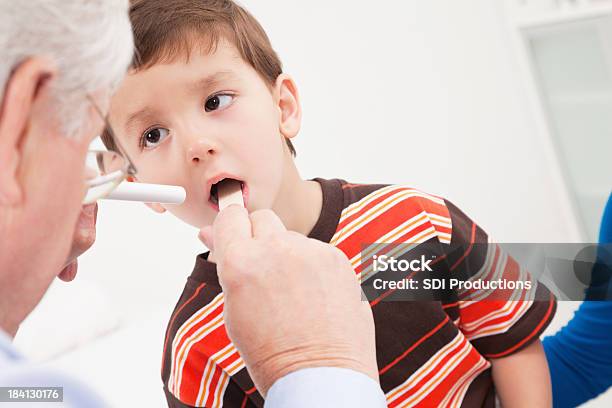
(206,236)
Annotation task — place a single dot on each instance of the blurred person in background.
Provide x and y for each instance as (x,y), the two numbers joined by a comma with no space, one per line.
(580,354)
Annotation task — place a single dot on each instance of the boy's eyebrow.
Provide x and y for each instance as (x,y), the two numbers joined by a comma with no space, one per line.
(212,80)
(138,116)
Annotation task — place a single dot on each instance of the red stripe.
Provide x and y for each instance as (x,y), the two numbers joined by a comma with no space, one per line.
(199,354)
(439,392)
(415,345)
(174,318)
(484,326)
(364,209)
(214,313)
(244,401)
(390,219)
(446,306)
(531,335)
(214,382)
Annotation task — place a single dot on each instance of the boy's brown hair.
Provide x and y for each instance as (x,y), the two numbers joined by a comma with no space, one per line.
(165,30)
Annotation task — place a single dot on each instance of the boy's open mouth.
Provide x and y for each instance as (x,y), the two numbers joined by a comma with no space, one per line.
(214,191)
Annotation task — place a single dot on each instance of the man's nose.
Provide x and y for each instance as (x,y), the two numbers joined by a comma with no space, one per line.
(200,150)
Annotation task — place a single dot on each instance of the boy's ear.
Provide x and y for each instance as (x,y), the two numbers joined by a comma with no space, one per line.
(20,93)
(288,101)
(158,208)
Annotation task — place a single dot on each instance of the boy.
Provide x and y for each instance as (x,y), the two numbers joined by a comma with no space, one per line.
(207,101)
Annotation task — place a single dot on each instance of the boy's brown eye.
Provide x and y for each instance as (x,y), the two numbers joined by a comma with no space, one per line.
(153,137)
(217,101)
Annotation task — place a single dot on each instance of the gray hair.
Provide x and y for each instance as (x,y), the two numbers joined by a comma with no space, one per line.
(90,41)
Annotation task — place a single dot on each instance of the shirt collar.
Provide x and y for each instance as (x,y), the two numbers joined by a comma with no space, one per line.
(8,352)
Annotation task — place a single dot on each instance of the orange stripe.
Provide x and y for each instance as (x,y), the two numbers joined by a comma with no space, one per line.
(533,333)
(365,218)
(459,355)
(415,345)
(414,388)
(174,318)
(468,250)
(224,378)
(183,353)
(209,374)
(351,185)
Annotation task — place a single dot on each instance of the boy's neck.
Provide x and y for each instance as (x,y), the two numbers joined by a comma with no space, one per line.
(298,204)
(299,201)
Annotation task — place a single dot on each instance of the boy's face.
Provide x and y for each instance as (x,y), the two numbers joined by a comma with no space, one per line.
(194,123)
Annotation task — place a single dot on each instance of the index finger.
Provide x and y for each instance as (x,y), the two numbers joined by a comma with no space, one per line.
(231,224)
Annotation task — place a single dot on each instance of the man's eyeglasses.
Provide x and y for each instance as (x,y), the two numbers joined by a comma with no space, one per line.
(104,169)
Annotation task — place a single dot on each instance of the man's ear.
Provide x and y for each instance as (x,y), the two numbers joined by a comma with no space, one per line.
(158,208)
(20,93)
(288,101)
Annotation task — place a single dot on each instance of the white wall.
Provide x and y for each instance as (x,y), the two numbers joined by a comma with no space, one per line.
(425,93)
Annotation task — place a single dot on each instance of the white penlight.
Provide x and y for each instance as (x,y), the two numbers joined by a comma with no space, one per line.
(148,193)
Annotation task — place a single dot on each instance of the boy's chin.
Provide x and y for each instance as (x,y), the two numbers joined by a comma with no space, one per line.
(197,219)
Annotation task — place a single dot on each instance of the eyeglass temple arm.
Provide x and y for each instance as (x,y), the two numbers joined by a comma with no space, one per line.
(131,167)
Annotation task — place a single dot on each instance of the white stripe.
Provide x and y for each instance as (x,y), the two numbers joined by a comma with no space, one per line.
(220,391)
(236,366)
(372,213)
(425,369)
(497,313)
(390,238)
(203,389)
(461,386)
(212,364)
(194,339)
(433,382)
(504,326)
(196,318)
(357,206)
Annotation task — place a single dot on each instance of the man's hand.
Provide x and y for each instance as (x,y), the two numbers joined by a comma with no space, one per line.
(290,302)
(84,237)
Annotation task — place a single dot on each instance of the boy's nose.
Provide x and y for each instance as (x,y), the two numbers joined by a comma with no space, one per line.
(200,150)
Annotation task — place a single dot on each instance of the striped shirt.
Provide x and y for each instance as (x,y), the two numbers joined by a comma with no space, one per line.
(430,353)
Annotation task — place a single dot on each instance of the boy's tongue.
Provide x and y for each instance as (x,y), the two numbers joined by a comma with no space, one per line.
(229,192)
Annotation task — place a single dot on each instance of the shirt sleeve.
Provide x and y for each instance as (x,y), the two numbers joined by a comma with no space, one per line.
(580,355)
(325,387)
(501,320)
(15,371)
